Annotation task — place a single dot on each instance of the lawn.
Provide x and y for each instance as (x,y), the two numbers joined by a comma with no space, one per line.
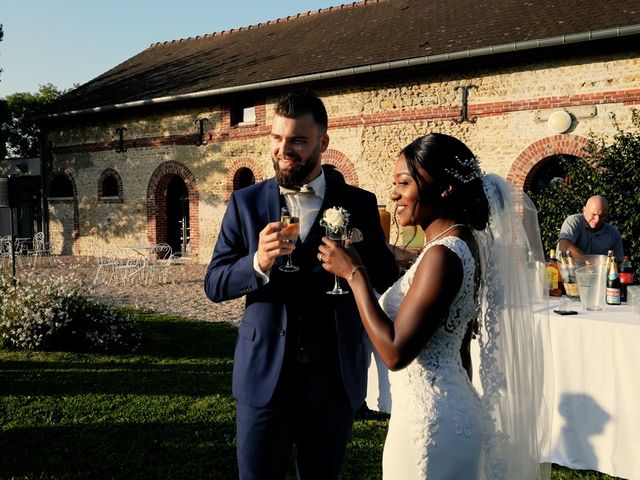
(165,412)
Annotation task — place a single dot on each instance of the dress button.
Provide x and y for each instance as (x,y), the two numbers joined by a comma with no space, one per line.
(282,333)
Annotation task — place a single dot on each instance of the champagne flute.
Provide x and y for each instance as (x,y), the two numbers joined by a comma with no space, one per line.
(339,236)
(290,220)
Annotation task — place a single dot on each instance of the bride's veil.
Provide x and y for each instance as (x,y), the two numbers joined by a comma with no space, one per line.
(511,363)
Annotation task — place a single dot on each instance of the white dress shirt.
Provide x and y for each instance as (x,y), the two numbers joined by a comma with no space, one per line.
(309,207)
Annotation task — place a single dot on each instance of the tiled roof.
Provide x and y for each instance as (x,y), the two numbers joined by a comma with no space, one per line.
(355,35)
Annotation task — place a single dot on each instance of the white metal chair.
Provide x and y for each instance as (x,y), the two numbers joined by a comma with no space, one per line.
(5,249)
(106,262)
(160,257)
(129,268)
(38,248)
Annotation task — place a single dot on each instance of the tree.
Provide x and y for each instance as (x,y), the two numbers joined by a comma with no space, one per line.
(608,169)
(1,37)
(19,127)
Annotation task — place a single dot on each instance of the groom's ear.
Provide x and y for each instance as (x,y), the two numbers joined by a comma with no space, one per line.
(324,143)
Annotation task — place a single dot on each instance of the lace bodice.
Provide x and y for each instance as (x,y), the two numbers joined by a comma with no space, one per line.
(443,349)
(435,384)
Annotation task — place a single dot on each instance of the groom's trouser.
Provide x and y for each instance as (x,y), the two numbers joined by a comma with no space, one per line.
(311,410)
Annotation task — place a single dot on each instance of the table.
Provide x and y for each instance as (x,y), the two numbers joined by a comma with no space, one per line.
(592,365)
(592,387)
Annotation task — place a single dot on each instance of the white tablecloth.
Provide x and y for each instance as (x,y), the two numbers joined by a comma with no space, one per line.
(592,388)
(592,372)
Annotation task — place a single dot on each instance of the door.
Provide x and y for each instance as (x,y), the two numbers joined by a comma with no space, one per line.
(178,216)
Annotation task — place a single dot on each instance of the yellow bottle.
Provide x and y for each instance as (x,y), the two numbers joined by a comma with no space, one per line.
(554,281)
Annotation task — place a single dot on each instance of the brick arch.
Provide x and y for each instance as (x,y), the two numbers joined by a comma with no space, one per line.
(157,206)
(342,164)
(235,166)
(530,157)
(75,233)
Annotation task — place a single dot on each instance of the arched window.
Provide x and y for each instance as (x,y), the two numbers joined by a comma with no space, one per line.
(110,186)
(243,178)
(60,186)
(548,171)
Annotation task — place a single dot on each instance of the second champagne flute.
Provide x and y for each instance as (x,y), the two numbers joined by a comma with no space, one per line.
(291,229)
(338,235)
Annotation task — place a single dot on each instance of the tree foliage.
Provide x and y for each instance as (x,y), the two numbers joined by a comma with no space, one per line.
(611,169)
(19,128)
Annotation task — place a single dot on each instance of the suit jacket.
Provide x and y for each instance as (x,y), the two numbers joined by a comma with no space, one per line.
(298,299)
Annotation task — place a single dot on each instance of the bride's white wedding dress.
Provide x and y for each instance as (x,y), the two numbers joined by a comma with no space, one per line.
(436,426)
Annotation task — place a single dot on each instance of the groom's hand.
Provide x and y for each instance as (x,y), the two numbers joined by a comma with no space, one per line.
(271,245)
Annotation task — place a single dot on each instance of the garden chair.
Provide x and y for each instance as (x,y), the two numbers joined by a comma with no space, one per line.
(129,267)
(38,248)
(160,258)
(5,250)
(106,262)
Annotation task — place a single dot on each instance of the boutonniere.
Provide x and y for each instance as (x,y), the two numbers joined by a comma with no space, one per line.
(335,219)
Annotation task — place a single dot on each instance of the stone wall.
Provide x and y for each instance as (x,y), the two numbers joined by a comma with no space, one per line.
(368,125)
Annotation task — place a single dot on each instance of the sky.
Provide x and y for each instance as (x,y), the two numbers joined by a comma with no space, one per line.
(67,42)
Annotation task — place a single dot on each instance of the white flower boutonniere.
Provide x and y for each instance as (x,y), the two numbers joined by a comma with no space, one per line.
(335,219)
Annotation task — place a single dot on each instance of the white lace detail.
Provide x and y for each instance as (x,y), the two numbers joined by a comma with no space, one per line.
(436,379)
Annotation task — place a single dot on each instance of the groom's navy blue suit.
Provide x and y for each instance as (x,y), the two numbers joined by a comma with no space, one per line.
(300,353)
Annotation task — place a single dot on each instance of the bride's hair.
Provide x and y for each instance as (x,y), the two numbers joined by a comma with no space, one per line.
(450,162)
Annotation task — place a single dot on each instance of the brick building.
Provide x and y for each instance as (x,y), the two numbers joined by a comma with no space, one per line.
(151,150)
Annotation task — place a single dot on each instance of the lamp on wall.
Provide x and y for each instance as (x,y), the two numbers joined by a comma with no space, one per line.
(120,148)
(200,135)
(559,121)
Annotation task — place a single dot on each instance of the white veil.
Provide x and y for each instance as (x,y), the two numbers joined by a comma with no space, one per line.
(511,362)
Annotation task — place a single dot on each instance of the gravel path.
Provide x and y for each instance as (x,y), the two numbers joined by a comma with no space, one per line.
(182,295)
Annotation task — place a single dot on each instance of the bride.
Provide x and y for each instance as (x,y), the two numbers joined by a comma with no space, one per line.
(467,281)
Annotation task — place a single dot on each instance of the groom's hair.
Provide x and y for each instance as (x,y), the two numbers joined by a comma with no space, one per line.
(300,102)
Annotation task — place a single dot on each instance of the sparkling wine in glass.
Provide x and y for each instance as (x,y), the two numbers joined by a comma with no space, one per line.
(340,237)
(290,230)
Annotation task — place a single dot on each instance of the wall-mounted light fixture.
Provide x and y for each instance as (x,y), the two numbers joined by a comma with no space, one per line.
(120,145)
(200,135)
(559,121)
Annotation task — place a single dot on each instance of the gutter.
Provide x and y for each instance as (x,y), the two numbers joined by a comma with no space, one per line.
(377,67)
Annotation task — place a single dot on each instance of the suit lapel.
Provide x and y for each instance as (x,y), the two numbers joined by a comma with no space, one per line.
(273,200)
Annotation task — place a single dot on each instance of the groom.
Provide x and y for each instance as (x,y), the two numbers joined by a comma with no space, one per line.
(300,361)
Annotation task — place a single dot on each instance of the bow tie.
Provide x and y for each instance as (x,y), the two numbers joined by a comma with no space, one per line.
(304,190)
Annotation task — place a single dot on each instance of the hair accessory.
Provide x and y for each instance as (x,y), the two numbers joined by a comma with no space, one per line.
(470,163)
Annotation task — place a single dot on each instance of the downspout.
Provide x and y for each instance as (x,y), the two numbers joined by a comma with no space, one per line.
(44,204)
(609,33)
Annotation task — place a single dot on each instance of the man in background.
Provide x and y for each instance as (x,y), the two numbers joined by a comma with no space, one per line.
(589,234)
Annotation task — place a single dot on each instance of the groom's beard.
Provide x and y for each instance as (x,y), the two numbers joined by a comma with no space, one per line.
(295,175)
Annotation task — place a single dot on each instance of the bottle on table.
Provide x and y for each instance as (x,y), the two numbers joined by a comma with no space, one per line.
(626,277)
(610,258)
(570,282)
(613,283)
(554,280)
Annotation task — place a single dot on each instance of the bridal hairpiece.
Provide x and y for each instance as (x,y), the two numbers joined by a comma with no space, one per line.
(470,163)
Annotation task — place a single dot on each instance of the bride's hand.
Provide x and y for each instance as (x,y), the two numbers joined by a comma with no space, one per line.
(337,260)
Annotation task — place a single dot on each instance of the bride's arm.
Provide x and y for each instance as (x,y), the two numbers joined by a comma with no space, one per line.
(435,283)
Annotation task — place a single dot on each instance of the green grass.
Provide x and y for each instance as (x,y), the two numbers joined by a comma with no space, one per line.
(165,412)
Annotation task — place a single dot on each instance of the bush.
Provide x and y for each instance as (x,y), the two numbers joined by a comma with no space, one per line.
(611,170)
(54,313)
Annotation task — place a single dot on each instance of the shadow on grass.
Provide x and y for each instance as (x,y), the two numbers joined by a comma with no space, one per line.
(177,357)
(163,412)
(130,451)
